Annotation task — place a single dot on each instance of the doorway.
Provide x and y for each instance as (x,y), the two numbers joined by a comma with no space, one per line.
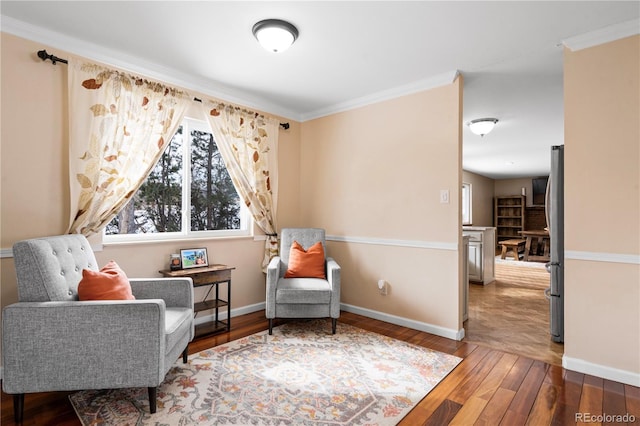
(512,313)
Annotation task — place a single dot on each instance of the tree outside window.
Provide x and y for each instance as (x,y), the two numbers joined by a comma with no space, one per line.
(189,192)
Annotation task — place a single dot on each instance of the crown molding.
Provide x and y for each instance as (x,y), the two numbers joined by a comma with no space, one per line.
(395,92)
(136,65)
(603,35)
(170,75)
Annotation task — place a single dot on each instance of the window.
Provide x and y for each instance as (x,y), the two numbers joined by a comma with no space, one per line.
(190,177)
(466,204)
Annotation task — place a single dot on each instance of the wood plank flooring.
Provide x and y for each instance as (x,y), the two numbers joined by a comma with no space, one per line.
(489,387)
(512,313)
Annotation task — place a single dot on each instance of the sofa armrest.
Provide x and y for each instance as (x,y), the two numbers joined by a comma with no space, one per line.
(273,275)
(82,345)
(176,292)
(333,276)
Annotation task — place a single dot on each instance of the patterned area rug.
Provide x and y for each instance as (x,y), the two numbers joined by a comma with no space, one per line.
(301,375)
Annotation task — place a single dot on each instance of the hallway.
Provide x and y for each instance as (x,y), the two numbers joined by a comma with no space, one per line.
(512,313)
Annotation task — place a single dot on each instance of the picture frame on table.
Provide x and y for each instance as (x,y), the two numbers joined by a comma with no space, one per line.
(194,258)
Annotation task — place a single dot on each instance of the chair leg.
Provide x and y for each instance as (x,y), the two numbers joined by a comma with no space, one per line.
(270,326)
(18,407)
(185,354)
(334,323)
(153,396)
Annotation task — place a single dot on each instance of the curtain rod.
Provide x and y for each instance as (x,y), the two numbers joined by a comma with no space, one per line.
(42,54)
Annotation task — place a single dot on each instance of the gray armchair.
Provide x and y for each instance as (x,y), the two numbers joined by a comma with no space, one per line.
(302,297)
(53,342)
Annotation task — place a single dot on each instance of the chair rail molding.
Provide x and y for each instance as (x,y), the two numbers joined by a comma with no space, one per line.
(435,245)
(633,259)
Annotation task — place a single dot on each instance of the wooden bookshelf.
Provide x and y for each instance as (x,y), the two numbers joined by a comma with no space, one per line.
(509,216)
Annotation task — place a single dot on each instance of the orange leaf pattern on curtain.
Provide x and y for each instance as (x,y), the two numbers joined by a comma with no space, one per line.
(245,139)
(117,132)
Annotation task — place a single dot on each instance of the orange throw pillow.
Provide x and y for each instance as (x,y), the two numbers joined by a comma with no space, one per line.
(306,264)
(110,283)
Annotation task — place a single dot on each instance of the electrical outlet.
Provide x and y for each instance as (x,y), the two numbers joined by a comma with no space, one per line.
(444,196)
(382,287)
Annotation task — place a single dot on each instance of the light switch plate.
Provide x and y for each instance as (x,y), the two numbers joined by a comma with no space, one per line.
(444,196)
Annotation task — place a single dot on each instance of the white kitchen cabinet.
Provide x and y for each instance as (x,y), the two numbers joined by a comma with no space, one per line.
(482,243)
(475,261)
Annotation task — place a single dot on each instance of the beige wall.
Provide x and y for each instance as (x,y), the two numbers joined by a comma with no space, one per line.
(34,187)
(485,189)
(602,201)
(400,200)
(514,187)
(372,175)
(482,191)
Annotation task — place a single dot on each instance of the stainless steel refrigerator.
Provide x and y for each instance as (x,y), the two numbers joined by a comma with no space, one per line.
(554,210)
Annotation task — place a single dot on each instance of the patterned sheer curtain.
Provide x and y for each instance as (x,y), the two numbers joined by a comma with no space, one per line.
(246,140)
(119,125)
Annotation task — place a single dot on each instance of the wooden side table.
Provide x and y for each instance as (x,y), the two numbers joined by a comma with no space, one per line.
(211,276)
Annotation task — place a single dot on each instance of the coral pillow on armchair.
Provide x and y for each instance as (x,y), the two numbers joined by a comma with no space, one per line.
(306,264)
(110,283)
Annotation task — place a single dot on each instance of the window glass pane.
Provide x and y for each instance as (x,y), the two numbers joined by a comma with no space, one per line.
(215,204)
(157,205)
(466,204)
(188,193)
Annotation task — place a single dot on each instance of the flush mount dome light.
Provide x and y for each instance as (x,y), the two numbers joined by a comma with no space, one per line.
(482,126)
(275,35)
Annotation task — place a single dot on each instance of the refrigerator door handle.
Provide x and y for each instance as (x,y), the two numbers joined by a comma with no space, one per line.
(547,203)
(548,265)
(548,294)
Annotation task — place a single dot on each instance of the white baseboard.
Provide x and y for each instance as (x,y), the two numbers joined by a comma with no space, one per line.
(405,322)
(393,319)
(234,313)
(610,373)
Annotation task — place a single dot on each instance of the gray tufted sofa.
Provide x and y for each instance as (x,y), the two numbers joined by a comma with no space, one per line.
(302,297)
(53,342)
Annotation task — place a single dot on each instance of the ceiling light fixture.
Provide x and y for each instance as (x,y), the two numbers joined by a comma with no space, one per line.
(275,35)
(482,126)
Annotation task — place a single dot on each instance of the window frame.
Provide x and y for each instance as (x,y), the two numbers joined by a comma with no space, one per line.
(246,221)
(466,200)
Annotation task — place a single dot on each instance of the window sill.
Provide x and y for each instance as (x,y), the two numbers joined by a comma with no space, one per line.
(181,239)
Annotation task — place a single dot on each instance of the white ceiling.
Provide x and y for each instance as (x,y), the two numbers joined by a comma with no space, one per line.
(349,54)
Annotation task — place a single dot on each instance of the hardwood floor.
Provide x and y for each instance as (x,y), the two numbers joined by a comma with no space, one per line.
(489,387)
(512,313)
